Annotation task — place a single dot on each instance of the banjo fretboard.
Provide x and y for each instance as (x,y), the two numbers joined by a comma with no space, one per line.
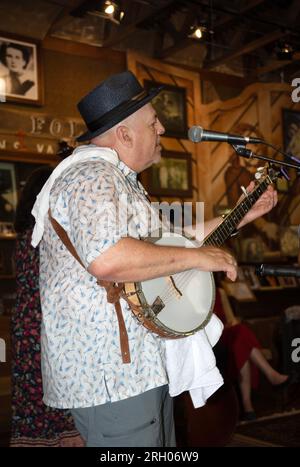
(220,234)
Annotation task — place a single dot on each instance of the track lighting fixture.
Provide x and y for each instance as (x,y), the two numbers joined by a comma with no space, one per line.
(284,51)
(105,9)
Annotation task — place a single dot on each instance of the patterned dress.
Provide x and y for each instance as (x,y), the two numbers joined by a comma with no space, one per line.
(33,423)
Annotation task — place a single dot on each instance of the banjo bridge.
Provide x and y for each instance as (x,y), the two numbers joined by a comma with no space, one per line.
(157,305)
(177,291)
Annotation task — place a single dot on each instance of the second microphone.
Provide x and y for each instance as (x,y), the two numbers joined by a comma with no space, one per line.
(197,134)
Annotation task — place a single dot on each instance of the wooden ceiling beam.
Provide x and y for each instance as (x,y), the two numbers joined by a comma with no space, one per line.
(276,65)
(84,50)
(247,48)
(182,41)
(216,77)
(227,18)
(179,45)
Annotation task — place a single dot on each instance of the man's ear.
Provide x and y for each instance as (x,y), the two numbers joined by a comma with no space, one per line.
(124,135)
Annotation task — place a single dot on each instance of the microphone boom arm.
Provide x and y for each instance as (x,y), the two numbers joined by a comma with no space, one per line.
(242,151)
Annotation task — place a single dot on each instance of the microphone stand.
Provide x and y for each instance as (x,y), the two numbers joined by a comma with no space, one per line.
(241,150)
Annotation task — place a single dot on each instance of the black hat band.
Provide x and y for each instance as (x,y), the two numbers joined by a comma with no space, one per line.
(123,107)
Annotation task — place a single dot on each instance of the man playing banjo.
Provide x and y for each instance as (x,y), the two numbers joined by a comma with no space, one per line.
(97,359)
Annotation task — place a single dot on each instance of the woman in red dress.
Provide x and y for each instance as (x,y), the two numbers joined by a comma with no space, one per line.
(244,355)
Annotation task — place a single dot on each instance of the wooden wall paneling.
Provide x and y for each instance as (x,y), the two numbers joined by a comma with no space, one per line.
(258,109)
(262,124)
(230,117)
(279,101)
(204,166)
(84,50)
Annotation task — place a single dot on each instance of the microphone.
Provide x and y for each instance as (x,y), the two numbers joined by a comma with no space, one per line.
(197,134)
(263,270)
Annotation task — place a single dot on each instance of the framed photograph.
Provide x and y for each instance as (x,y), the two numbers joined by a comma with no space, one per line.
(240,291)
(8,194)
(170,106)
(291,131)
(20,70)
(172,176)
(252,250)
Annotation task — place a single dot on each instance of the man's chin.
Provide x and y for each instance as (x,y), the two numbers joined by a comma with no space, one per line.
(157,159)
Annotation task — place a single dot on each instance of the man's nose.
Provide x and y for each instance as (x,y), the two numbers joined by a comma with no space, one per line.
(160,128)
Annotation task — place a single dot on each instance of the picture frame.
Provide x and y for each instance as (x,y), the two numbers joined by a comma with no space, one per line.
(20,70)
(252,250)
(8,195)
(291,131)
(172,176)
(170,106)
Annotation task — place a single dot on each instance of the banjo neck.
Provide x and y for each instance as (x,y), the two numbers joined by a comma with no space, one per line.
(227,227)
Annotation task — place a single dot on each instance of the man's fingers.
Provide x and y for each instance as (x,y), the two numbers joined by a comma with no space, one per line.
(231,269)
(218,259)
(231,274)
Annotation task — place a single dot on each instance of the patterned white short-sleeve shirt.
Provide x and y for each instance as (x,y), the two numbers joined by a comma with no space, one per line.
(81,357)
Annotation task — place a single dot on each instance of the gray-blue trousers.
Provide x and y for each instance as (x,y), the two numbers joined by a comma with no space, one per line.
(145,420)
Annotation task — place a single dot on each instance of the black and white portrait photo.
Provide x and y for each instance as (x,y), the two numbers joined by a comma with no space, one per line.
(19,72)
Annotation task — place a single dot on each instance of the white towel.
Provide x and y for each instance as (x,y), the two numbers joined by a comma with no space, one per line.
(83,153)
(191,363)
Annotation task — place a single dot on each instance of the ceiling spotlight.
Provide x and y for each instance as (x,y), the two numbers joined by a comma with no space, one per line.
(198,33)
(198,30)
(284,51)
(109,10)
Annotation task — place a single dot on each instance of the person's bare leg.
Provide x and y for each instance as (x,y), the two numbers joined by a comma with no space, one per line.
(272,375)
(245,387)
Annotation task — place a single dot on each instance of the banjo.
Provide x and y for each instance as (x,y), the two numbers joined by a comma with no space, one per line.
(182,304)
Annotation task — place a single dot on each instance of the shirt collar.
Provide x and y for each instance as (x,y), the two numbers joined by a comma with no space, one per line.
(126,171)
(129,173)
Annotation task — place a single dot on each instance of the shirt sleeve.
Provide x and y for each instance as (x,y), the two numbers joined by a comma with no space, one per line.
(91,211)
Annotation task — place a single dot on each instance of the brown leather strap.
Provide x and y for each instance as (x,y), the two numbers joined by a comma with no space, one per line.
(113,291)
(124,344)
(64,238)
